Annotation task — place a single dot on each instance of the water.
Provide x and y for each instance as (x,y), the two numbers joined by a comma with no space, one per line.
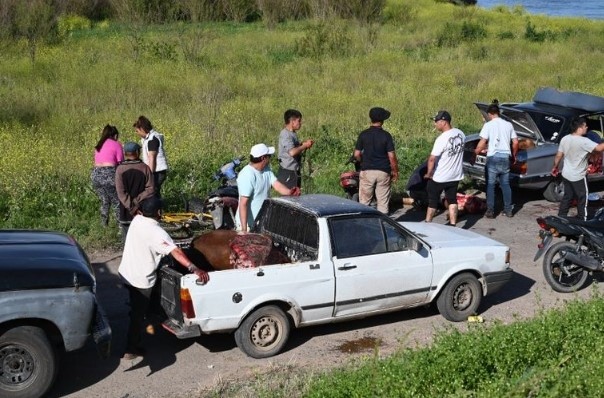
(592,9)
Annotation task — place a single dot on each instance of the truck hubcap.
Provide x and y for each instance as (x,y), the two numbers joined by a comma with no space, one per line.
(265,332)
(17,365)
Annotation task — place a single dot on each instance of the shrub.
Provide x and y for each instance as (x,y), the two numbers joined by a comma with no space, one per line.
(454,33)
(68,24)
(399,13)
(532,34)
(325,38)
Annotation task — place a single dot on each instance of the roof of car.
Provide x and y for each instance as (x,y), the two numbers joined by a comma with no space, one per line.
(569,99)
(327,205)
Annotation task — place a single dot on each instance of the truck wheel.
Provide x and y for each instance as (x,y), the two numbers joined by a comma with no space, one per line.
(460,298)
(263,333)
(28,365)
(554,191)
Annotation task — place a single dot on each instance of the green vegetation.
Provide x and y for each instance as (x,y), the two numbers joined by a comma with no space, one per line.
(557,354)
(216,88)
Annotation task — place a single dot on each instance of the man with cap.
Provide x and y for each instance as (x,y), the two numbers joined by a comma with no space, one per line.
(502,146)
(145,246)
(379,165)
(445,166)
(291,150)
(134,183)
(254,183)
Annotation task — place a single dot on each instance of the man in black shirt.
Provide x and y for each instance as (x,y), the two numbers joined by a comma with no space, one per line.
(379,166)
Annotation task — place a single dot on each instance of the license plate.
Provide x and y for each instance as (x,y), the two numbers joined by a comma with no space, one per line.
(481,159)
(546,240)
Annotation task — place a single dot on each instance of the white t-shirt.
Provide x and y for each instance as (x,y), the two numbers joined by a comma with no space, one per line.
(576,150)
(146,243)
(499,133)
(448,148)
(256,185)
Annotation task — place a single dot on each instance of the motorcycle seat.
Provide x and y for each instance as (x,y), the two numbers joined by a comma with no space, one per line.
(593,224)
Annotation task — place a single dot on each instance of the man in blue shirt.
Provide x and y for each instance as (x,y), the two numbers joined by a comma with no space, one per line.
(254,183)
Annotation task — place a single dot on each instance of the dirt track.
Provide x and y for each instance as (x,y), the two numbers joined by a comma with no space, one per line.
(174,367)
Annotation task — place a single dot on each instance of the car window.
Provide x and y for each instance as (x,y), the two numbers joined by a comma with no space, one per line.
(359,236)
(395,239)
(549,125)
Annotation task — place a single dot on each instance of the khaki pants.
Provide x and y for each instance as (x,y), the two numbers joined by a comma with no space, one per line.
(375,182)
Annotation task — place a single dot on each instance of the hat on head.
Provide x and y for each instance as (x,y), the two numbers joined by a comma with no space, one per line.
(131,147)
(442,115)
(378,114)
(260,150)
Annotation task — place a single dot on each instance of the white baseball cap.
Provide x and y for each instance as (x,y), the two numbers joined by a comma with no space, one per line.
(260,150)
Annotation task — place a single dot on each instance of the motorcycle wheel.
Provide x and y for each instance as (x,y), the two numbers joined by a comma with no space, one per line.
(562,275)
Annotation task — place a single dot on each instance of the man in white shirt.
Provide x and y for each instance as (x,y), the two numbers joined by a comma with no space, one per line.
(445,166)
(146,243)
(575,149)
(502,146)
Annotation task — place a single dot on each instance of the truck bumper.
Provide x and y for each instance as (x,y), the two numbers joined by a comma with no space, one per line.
(496,280)
(181,331)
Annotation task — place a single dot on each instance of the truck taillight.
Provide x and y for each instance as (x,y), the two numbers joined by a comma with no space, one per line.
(518,168)
(507,257)
(186,304)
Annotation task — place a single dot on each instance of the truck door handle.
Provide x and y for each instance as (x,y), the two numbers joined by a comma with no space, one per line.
(346,267)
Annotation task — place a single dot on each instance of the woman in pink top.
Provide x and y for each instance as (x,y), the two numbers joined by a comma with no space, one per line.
(107,155)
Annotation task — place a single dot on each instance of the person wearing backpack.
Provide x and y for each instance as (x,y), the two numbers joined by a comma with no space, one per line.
(153,153)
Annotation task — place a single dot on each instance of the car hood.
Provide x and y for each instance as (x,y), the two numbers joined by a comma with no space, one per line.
(523,123)
(438,235)
(42,260)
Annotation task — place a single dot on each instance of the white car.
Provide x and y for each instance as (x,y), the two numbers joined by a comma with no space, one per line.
(348,261)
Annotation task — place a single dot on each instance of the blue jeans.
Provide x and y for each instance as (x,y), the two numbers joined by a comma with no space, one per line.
(498,169)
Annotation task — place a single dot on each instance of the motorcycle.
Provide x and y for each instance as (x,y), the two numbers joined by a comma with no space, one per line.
(349,180)
(568,263)
(221,204)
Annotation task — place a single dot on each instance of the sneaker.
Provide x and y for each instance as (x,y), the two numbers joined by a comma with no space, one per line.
(133,353)
(130,356)
(508,214)
(489,213)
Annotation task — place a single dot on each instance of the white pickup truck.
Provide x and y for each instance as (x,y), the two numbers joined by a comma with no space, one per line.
(349,261)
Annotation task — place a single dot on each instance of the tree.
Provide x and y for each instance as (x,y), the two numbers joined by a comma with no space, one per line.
(34,21)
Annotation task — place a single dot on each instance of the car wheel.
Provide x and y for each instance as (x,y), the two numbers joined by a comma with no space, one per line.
(263,333)
(554,191)
(28,364)
(460,298)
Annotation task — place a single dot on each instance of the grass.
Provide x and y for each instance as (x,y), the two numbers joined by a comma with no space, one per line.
(556,354)
(215,89)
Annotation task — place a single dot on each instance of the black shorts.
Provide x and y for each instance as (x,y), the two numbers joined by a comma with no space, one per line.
(435,188)
(289,178)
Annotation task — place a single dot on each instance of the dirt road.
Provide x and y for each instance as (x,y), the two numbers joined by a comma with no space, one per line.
(174,367)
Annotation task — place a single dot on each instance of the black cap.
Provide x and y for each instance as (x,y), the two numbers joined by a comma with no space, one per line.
(442,115)
(378,114)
